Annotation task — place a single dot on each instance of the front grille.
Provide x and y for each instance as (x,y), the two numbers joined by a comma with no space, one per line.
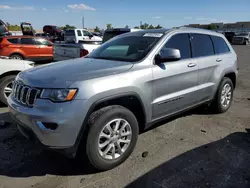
(24,94)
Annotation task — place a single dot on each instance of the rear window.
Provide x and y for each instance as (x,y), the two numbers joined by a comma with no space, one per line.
(201,45)
(111,34)
(69,33)
(79,33)
(27,41)
(13,41)
(220,45)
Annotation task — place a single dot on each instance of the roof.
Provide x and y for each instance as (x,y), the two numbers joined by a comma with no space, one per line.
(20,36)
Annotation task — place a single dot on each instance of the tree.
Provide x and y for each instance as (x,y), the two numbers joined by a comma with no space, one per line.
(212,27)
(109,26)
(127,26)
(144,26)
(158,27)
(150,26)
(97,29)
(67,26)
(136,27)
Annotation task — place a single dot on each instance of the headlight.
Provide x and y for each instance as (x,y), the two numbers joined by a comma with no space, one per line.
(58,95)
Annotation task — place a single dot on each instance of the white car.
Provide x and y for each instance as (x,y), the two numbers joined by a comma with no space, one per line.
(9,68)
(80,36)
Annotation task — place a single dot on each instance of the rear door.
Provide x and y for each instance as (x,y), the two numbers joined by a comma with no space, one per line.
(175,83)
(203,51)
(29,47)
(45,48)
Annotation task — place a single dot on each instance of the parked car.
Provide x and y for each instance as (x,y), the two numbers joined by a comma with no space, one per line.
(111,33)
(27,29)
(230,35)
(65,51)
(4,29)
(80,36)
(8,71)
(54,31)
(125,85)
(26,47)
(98,34)
(242,38)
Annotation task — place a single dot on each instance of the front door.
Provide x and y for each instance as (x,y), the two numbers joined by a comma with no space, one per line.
(175,83)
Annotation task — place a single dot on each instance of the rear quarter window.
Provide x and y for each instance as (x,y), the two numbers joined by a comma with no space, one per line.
(13,41)
(220,45)
(201,45)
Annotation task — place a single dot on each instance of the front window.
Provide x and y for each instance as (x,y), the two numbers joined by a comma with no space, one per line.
(126,48)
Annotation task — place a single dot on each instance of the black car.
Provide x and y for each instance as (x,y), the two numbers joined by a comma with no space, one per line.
(230,36)
(4,29)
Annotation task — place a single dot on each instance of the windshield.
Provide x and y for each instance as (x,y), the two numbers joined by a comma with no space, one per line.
(243,34)
(126,48)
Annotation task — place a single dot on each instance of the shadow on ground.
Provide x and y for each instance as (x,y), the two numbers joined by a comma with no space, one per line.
(224,163)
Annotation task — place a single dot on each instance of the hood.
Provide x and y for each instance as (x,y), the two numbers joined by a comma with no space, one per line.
(64,73)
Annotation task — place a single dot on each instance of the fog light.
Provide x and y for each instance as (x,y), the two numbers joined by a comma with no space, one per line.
(47,125)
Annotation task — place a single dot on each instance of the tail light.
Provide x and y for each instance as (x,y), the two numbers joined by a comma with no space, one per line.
(83,52)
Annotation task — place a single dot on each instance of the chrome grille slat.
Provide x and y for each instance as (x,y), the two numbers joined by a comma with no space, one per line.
(24,94)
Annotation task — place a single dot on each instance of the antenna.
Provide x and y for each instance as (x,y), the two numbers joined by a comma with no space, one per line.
(83,22)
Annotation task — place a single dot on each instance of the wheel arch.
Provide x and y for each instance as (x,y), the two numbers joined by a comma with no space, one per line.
(140,114)
(14,72)
(17,53)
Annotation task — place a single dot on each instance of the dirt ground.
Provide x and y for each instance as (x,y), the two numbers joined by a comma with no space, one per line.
(195,150)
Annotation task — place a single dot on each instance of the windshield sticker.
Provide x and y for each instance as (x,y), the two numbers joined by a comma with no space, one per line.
(153,35)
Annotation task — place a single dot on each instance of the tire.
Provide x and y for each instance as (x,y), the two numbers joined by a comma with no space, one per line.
(4,82)
(217,105)
(16,56)
(96,123)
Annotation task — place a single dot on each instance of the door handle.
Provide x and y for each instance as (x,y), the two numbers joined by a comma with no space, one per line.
(218,59)
(191,65)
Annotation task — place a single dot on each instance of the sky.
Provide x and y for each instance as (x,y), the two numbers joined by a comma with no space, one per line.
(120,13)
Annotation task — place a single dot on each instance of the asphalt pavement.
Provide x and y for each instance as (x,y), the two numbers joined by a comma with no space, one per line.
(196,149)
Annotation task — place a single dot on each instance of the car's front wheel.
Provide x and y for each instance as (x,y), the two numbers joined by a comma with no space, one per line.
(112,136)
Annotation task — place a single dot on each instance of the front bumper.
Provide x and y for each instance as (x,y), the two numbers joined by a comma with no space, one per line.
(69,117)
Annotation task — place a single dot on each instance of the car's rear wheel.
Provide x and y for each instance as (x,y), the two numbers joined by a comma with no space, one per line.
(112,136)
(6,88)
(224,96)
(16,56)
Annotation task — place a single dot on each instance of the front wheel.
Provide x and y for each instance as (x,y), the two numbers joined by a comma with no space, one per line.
(16,56)
(112,136)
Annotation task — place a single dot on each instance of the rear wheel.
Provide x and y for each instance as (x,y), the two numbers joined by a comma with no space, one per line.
(6,88)
(16,56)
(112,136)
(224,96)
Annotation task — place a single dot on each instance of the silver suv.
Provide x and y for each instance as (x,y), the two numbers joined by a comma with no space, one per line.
(97,105)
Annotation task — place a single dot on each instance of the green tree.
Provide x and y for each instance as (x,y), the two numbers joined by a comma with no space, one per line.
(97,29)
(150,26)
(136,27)
(67,26)
(158,27)
(109,26)
(212,27)
(127,26)
(144,26)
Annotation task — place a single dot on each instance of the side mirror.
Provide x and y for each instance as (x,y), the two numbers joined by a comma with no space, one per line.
(167,55)
(90,36)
